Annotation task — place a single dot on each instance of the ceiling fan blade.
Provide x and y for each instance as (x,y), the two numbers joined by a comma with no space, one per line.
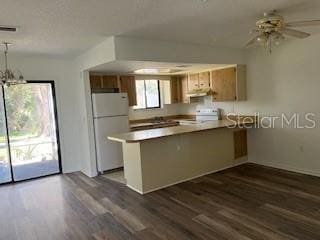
(294,33)
(303,23)
(251,42)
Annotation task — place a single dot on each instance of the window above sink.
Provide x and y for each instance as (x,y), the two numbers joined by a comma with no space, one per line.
(148,94)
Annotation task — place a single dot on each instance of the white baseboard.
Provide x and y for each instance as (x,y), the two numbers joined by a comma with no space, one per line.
(90,174)
(288,168)
(136,190)
(184,180)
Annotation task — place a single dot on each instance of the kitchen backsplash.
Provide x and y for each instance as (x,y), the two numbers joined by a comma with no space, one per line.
(181,109)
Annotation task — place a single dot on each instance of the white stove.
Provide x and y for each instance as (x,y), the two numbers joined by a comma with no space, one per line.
(208,114)
(203,115)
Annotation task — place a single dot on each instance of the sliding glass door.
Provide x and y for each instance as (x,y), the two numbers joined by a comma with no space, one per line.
(31,128)
(5,165)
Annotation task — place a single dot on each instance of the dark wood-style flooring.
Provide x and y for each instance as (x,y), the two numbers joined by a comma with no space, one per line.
(246,202)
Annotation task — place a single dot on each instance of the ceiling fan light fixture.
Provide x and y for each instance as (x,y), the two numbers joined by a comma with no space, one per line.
(262,39)
(277,38)
(272,29)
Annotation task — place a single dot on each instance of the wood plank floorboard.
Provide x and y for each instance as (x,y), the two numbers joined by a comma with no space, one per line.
(247,202)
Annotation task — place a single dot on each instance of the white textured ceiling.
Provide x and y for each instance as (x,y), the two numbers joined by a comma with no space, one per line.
(68,27)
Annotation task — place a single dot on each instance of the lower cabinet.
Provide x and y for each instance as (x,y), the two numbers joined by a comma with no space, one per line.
(240,143)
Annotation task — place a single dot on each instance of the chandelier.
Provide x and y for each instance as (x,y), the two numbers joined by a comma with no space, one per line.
(10,77)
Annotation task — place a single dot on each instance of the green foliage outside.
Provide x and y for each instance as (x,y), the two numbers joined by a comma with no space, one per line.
(22,112)
(26,107)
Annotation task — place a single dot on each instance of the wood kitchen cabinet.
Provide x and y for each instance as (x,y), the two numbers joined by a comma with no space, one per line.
(110,82)
(198,81)
(95,82)
(193,82)
(240,143)
(103,81)
(204,79)
(184,89)
(175,89)
(128,85)
(229,84)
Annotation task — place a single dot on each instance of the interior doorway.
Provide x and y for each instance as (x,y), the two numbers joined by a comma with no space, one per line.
(29,137)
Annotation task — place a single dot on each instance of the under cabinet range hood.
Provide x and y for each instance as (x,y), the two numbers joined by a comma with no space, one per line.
(200,92)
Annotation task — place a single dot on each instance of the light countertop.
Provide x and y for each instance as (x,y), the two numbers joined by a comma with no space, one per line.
(144,135)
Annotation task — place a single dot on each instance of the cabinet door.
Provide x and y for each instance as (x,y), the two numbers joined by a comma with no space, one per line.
(128,85)
(204,80)
(224,84)
(240,143)
(95,82)
(193,82)
(184,89)
(175,87)
(110,82)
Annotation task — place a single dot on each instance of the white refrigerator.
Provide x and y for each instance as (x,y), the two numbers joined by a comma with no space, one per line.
(110,116)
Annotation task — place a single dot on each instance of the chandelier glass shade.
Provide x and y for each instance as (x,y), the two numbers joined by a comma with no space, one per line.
(269,39)
(7,76)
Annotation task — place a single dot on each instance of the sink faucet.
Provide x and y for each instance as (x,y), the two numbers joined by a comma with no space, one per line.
(158,119)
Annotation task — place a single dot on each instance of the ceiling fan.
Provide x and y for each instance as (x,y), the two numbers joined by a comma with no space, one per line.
(271,30)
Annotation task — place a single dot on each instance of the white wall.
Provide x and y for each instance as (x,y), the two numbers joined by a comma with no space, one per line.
(286,81)
(166,110)
(63,74)
(134,49)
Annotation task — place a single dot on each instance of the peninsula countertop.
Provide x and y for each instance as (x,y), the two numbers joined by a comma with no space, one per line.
(144,135)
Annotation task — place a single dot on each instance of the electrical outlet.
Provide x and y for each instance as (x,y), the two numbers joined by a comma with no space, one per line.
(301,148)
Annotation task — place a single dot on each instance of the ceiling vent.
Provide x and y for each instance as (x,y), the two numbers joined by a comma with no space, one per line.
(8,29)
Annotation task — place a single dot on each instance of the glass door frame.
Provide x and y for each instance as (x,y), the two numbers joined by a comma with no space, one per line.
(55,112)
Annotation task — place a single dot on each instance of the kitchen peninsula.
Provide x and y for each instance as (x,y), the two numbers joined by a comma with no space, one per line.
(157,158)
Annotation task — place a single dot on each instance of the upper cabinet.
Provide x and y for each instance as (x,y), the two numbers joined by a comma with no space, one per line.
(199,80)
(193,82)
(124,83)
(103,81)
(175,90)
(110,82)
(229,84)
(204,79)
(184,89)
(128,85)
(95,82)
